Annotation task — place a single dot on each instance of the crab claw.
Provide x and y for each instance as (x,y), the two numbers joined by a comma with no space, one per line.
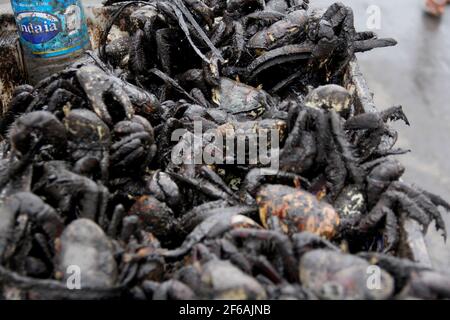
(36,210)
(106,94)
(369,44)
(37,126)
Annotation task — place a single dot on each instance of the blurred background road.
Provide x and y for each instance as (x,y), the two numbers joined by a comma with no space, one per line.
(415,74)
(4,6)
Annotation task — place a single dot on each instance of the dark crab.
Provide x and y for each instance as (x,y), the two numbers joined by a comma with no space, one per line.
(84,244)
(106,94)
(39,129)
(371,134)
(332,274)
(318,142)
(89,139)
(290,210)
(212,278)
(115,165)
(282,32)
(240,99)
(28,226)
(331,42)
(134,147)
(412,280)
(330,96)
(75,195)
(389,199)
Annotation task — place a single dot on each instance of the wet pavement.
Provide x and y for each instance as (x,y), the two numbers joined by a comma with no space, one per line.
(415,74)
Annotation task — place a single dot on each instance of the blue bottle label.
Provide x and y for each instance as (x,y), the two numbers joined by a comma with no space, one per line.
(51,28)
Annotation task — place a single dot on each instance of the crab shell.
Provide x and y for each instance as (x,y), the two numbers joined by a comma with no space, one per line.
(329,96)
(338,276)
(289,27)
(85,128)
(236,97)
(41,124)
(84,245)
(155,215)
(227,282)
(297,211)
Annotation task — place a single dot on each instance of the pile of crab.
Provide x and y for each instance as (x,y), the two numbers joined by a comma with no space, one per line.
(96,204)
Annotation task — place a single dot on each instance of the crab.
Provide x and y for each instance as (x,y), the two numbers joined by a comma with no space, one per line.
(243,20)
(334,36)
(332,274)
(267,134)
(331,40)
(212,278)
(121,164)
(134,146)
(211,225)
(84,244)
(253,23)
(238,98)
(290,210)
(28,226)
(389,199)
(164,188)
(281,32)
(159,24)
(317,140)
(258,177)
(106,95)
(89,140)
(412,280)
(56,93)
(82,247)
(187,169)
(372,136)
(21,98)
(155,216)
(38,130)
(35,136)
(268,254)
(330,96)
(73,89)
(194,79)
(75,195)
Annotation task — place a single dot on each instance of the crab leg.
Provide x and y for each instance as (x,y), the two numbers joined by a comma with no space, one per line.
(367,45)
(278,56)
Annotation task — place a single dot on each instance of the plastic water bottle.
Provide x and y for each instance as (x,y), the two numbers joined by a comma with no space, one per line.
(53,34)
